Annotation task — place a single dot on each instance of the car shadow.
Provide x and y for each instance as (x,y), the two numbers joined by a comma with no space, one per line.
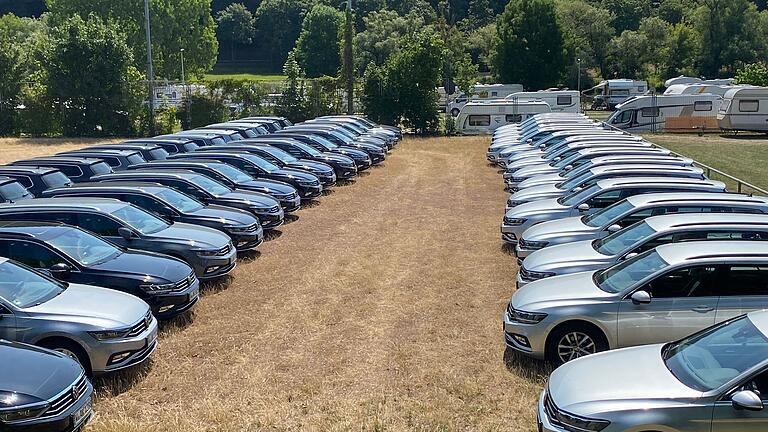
(290,218)
(328,192)
(250,256)
(344,182)
(365,173)
(216,286)
(530,369)
(508,249)
(379,165)
(121,381)
(272,235)
(310,204)
(176,324)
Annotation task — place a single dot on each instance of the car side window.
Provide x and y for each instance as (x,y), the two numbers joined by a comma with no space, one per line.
(112,161)
(71,171)
(744,280)
(33,255)
(604,199)
(147,203)
(651,244)
(26,181)
(98,224)
(636,217)
(188,189)
(759,385)
(697,281)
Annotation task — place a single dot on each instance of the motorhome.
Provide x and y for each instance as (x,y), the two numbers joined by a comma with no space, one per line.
(668,113)
(485,117)
(682,89)
(568,101)
(482,92)
(608,94)
(744,109)
(682,79)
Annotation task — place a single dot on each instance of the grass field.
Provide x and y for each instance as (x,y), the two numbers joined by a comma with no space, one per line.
(244,76)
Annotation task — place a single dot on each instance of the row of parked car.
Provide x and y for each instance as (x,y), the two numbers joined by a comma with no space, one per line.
(98,244)
(623,244)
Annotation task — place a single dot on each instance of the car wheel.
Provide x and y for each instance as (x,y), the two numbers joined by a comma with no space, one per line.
(570,342)
(71,350)
(455,112)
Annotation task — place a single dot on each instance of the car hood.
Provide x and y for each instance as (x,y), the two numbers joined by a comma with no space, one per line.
(269,186)
(511,149)
(333,157)
(99,307)
(540,179)
(307,164)
(294,174)
(35,371)
(549,230)
(225,215)
(514,156)
(254,198)
(535,208)
(351,152)
(588,385)
(537,192)
(559,257)
(537,169)
(155,268)
(552,291)
(194,235)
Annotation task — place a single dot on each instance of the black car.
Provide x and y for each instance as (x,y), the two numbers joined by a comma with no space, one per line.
(344,166)
(362,159)
(344,138)
(11,190)
(282,159)
(148,151)
(227,134)
(74,255)
(207,190)
(242,227)
(234,178)
(307,184)
(171,145)
(78,169)
(282,121)
(36,180)
(200,138)
(117,159)
(249,131)
(269,126)
(42,390)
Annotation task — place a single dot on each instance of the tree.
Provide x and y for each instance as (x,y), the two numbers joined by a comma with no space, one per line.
(293,101)
(236,26)
(626,54)
(89,75)
(628,13)
(384,34)
(676,11)
(176,24)
(753,74)
(278,24)
(588,31)
(363,8)
(681,51)
(480,13)
(15,41)
(729,35)
(318,49)
(530,49)
(480,44)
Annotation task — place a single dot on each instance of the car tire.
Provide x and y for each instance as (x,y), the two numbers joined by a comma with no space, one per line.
(71,350)
(571,341)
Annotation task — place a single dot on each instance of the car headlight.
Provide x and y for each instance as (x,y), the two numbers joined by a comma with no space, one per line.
(19,406)
(572,422)
(524,317)
(211,252)
(513,221)
(525,244)
(531,276)
(157,288)
(514,203)
(109,334)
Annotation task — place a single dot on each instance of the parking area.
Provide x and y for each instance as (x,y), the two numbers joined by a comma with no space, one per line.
(380,310)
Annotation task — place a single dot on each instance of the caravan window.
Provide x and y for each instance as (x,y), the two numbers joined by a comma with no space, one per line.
(514,118)
(650,112)
(702,106)
(564,100)
(749,105)
(494,93)
(479,120)
(620,92)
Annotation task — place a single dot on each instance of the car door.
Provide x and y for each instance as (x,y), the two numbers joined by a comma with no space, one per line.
(727,418)
(682,302)
(743,288)
(7,318)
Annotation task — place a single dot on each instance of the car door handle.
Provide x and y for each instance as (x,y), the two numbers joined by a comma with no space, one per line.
(703,309)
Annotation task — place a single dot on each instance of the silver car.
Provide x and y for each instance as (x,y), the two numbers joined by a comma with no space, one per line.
(598,196)
(644,235)
(595,174)
(554,144)
(104,330)
(660,295)
(521,160)
(713,381)
(554,139)
(628,211)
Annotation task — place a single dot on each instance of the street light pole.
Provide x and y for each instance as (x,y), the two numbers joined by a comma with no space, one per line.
(183,81)
(349,74)
(150,72)
(578,79)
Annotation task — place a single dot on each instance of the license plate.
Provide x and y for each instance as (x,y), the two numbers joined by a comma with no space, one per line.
(83,414)
(151,339)
(194,294)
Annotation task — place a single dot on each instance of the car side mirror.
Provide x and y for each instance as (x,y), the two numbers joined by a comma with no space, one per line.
(748,400)
(630,255)
(577,189)
(557,159)
(614,228)
(641,297)
(60,269)
(530,141)
(125,233)
(583,207)
(542,146)
(567,167)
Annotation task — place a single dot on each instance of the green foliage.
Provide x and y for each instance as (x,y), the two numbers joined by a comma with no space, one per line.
(175,24)
(278,24)
(628,13)
(531,46)
(17,37)
(465,73)
(166,122)
(384,34)
(588,32)
(729,35)
(754,74)
(324,97)
(318,49)
(247,95)
(235,26)
(201,109)
(480,43)
(293,101)
(626,54)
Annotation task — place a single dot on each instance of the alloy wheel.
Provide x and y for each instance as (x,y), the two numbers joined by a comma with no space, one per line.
(574,345)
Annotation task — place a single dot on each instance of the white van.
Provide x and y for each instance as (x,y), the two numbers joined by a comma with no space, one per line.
(744,109)
(612,92)
(668,113)
(568,101)
(483,92)
(478,118)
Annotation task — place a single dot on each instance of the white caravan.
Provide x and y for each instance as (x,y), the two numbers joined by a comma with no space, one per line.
(567,101)
(744,109)
(612,92)
(682,89)
(478,118)
(696,112)
(483,92)
(682,79)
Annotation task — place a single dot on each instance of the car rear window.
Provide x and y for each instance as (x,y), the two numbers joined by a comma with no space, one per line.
(135,159)
(56,179)
(159,154)
(99,168)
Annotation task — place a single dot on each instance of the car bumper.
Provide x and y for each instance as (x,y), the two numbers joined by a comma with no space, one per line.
(290,205)
(207,268)
(167,306)
(363,165)
(528,339)
(346,173)
(310,192)
(64,422)
(522,253)
(542,419)
(520,282)
(141,348)
(512,233)
(271,220)
(247,241)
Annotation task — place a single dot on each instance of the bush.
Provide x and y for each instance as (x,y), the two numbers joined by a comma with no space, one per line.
(166,122)
(204,109)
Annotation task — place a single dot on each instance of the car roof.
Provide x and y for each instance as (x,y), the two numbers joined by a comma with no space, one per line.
(692,220)
(206,163)
(37,229)
(650,158)
(677,253)
(64,159)
(99,151)
(21,169)
(131,147)
(694,198)
(165,139)
(101,204)
(4,179)
(760,320)
(621,168)
(652,181)
(128,186)
(168,173)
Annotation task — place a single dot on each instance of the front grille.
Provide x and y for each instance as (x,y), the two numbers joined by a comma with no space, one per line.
(275,209)
(142,326)
(187,281)
(523,244)
(290,196)
(225,250)
(525,274)
(249,229)
(68,398)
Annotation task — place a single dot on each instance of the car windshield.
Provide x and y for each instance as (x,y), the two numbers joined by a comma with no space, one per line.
(82,247)
(233,174)
(709,359)
(579,197)
(140,220)
(56,179)
(159,154)
(308,149)
(178,200)
(575,172)
(102,168)
(261,163)
(14,191)
(576,181)
(24,288)
(564,162)
(325,142)
(190,147)
(603,217)
(621,241)
(218,141)
(135,159)
(626,274)
(281,155)
(211,186)
(341,135)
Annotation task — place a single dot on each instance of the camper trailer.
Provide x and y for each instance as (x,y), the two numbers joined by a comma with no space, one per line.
(568,101)
(687,89)
(668,113)
(612,92)
(744,109)
(477,118)
(682,79)
(483,92)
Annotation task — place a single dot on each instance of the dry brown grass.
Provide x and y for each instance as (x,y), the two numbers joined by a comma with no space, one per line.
(12,149)
(379,309)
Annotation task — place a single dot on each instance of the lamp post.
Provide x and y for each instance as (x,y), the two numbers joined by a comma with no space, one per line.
(183,81)
(578,75)
(349,74)
(150,72)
